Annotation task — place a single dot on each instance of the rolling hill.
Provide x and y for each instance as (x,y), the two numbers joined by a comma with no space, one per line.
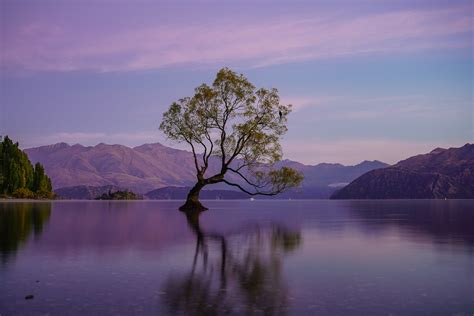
(150,166)
(442,173)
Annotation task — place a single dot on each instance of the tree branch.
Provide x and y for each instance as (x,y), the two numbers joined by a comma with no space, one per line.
(196,164)
(251,193)
(244,138)
(259,186)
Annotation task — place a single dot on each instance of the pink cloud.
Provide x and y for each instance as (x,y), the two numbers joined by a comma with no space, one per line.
(43,46)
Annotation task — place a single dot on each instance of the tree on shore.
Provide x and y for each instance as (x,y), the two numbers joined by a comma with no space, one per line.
(16,170)
(41,182)
(18,178)
(242,127)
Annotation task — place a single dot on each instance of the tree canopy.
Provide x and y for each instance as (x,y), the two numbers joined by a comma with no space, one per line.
(239,124)
(17,175)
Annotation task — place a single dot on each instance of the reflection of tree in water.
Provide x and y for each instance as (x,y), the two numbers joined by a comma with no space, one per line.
(239,273)
(442,222)
(17,221)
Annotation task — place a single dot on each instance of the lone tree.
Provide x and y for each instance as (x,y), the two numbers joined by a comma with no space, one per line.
(237,127)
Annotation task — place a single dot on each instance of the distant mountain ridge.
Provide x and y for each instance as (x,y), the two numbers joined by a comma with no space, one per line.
(150,166)
(441,173)
(141,169)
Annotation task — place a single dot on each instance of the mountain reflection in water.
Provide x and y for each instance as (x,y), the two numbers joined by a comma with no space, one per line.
(321,257)
(449,223)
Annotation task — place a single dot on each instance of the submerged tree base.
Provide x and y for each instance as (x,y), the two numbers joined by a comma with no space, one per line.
(192,206)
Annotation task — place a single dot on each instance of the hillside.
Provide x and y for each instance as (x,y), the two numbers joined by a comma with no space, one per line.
(442,173)
(151,166)
(140,169)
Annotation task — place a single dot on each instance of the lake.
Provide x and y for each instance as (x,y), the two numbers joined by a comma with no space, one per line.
(241,257)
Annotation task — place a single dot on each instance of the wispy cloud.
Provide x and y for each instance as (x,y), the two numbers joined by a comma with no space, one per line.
(47,46)
(370,107)
(301,102)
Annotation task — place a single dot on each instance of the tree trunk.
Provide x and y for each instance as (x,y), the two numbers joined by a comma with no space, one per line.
(192,201)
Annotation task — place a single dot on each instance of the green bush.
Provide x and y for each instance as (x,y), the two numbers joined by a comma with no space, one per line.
(23,193)
(43,194)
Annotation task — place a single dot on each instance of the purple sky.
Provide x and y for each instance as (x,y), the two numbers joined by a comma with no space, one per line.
(368,79)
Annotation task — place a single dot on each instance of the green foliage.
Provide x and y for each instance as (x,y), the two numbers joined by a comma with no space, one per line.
(239,124)
(42,194)
(283,178)
(17,175)
(41,182)
(119,195)
(23,193)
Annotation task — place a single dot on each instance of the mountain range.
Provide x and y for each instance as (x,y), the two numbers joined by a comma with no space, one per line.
(151,166)
(442,173)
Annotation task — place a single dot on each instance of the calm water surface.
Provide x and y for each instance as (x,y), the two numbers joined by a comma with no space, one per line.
(240,257)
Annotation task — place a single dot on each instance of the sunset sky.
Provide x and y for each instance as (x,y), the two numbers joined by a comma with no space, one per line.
(368,79)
